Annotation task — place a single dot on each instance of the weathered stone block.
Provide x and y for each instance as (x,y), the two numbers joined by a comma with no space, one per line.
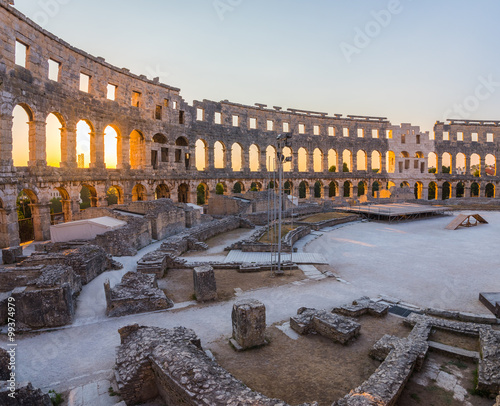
(137,293)
(10,255)
(329,325)
(205,287)
(489,362)
(249,324)
(24,395)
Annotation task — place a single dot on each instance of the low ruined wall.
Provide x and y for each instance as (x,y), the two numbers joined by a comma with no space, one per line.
(183,374)
(180,243)
(329,223)
(87,261)
(220,205)
(126,241)
(12,277)
(42,308)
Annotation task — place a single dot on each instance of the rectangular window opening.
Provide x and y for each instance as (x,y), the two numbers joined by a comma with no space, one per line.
(174,105)
(460,136)
(200,114)
(111,91)
(164,154)
(489,137)
(236,121)
(181,117)
(21,54)
(218,118)
(286,127)
(388,134)
(418,138)
(331,131)
(84,83)
(302,129)
(345,132)
(158,112)
(474,137)
(54,70)
(253,123)
(374,133)
(361,133)
(316,130)
(136,99)
(446,136)
(270,125)
(403,138)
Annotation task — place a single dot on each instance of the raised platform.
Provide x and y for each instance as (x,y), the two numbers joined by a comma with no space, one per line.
(491,301)
(396,212)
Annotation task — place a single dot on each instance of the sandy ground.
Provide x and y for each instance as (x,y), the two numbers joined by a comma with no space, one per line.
(418,262)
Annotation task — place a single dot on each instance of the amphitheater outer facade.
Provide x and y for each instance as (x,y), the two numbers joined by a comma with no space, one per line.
(159,137)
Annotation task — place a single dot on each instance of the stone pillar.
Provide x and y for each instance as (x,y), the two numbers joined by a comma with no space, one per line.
(205,287)
(194,195)
(311,192)
(439,164)
(37,143)
(68,147)
(368,163)
(6,164)
(9,228)
(439,192)
(245,160)
(147,164)
(41,221)
(341,189)
(482,189)
(67,210)
(249,324)
(354,191)
(425,193)
(295,162)
(354,162)
(326,192)
(310,162)
(123,161)
(97,158)
(210,158)
(263,161)
(482,168)
(467,190)
(325,163)
(384,168)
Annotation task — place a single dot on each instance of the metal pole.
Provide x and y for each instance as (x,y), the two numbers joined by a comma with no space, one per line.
(280,204)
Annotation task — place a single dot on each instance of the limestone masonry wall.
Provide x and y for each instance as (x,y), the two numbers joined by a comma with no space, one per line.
(167,148)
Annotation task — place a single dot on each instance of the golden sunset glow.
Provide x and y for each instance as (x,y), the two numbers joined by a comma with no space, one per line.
(53,133)
(110,147)
(20,137)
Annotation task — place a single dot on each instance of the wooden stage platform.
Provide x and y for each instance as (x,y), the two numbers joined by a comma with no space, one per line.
(396,212)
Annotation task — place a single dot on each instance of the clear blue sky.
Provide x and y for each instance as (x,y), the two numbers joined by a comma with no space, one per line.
(430,56)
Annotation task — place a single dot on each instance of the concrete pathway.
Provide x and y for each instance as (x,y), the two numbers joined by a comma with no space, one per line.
(265,257)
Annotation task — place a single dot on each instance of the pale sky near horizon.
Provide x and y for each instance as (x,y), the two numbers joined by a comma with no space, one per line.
(410,61)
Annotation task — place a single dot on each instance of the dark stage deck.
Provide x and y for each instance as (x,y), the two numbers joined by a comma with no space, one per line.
(396,212)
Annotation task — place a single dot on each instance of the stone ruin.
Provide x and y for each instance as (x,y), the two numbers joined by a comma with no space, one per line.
(171,363)
(136,293)
(338,324)
(46,285)
(205,287)
(155,362)
(329,325)
(24,393)
(249,324)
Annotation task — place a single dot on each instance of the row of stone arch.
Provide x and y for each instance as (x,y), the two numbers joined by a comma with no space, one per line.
(55,142)
(461,164)
(255,159)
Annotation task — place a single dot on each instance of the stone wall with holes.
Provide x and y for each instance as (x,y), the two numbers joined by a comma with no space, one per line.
(171,363)
(157,133)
